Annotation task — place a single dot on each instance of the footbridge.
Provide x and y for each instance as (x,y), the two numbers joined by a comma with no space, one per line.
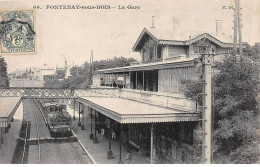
(36,92)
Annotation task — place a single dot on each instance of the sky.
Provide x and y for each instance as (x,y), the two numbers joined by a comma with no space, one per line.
(73,33)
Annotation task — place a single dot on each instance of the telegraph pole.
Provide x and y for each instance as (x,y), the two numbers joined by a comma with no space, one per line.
(91,67)
(239,28)
(235,27)
(206,53)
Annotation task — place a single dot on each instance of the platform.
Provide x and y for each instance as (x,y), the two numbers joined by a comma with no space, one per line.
(99,151)
(7,148)
(8,107)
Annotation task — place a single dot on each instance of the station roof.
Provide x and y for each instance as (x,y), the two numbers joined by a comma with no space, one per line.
(187,62)
(8,106)
(129,111)
(168,37)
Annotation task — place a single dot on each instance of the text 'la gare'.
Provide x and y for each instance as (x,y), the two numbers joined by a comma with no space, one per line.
(128,7)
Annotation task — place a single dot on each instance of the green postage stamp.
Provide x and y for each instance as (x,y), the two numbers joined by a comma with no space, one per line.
(17,32)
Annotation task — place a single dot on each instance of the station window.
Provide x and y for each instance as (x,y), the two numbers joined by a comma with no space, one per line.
(144,54)
(151,53)
(159,52)
(195,49)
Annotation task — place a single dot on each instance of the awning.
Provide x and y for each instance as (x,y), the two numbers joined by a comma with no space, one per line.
(188,62)
(8,107)
(129,111)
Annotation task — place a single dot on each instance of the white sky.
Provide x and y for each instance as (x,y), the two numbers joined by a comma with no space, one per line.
(73,33)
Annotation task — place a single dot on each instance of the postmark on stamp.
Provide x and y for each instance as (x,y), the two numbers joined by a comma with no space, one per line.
(17,34)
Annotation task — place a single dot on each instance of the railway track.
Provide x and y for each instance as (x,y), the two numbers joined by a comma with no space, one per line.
(43,149)
(77,153)
(36,158)
(25,142)
(38,134)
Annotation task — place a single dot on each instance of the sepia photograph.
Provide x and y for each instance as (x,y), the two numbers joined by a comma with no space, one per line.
(129,82)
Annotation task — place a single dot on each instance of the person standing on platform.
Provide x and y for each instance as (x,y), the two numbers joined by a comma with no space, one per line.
(102,133)
(128,157)
(113,134)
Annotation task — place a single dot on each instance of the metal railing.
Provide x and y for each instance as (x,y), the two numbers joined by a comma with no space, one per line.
(171,101)
(35,92)
(53,92)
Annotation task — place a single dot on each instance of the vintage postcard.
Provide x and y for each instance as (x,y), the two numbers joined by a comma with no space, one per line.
(129,82)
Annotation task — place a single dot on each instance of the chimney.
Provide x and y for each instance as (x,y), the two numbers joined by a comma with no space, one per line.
(219,24)
(152,22)
(176,25)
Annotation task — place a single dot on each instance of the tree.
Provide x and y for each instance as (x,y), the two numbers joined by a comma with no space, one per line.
(235,109)
(60,74)
(4,81)
(74,71)
(81,75)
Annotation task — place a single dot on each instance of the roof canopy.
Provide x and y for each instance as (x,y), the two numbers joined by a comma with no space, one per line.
(166,37)
(8,106)
(188,62)
(128,111)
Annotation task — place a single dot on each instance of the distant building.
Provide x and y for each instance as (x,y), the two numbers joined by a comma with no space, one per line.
(46,71)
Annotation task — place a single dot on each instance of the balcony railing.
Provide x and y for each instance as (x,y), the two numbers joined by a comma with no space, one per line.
(172,101)
(147,62)
(166,100)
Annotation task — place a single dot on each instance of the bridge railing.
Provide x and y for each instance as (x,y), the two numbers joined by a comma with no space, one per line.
(35,92)
(55,92)
(153,98)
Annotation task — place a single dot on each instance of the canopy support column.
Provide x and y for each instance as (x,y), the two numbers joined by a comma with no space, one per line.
(117,80)
(74,110)
(143,80)
(83,119)
(109,153)
(151,152)
(79,123)
(130,80)
(95,139)
(1,137)
(91,133)
(120,143)
(112,80)
(136,80)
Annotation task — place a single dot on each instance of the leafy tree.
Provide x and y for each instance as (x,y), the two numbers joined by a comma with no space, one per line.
(235,108)
(252,52)
(4,81)
(81,75)
(74,71)
(112,63)
(60,74)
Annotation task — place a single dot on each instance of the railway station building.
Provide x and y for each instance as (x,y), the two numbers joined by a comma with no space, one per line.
(149,111)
